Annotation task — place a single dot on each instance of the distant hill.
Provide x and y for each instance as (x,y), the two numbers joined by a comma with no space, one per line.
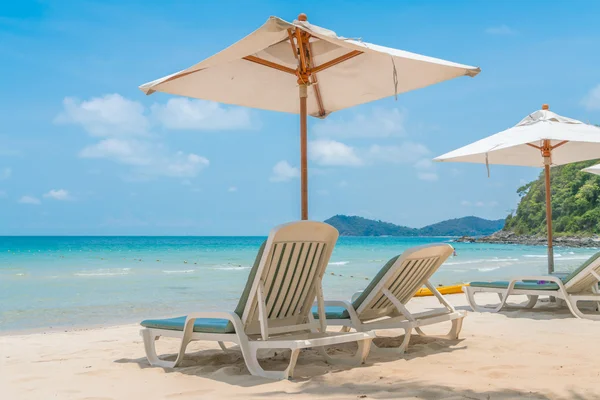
(470,226)
(359,226)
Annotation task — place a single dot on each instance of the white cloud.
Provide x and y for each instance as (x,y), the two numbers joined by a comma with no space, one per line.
(331,153)
(379,123)
(30,200)
(110,115)
(125,128)
(343,184)
(200,115)
(148,158)
(500,30)
(592,100)
(5,173)
(58,194)
(283,172)
(407,152)
(232,189)
(426,170)
(466,203)
(427,176)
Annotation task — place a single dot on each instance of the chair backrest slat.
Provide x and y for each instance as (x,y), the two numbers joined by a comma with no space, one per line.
(291,266)
(402,276)
(582,280)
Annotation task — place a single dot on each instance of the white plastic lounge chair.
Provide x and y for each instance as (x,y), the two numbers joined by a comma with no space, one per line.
(382,305)
(274,311)
(580,285)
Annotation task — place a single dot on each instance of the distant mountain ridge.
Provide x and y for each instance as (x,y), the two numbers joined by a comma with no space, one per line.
(469,226)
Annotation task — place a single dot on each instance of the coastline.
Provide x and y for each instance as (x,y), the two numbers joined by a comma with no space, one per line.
(504,237)
(511,355)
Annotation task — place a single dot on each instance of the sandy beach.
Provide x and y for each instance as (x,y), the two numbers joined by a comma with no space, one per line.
(514,354)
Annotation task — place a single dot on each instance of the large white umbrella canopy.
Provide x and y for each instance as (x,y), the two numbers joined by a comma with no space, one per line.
(301,68)
(542,139)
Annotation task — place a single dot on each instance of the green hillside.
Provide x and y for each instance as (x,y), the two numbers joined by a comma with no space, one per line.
(575,203)
(470,226)
(358,226)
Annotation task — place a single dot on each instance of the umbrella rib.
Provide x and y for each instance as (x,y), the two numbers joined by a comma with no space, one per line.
(315,83)
(270,64)
(560,144)
(336,61)
(534,146)
(294,49)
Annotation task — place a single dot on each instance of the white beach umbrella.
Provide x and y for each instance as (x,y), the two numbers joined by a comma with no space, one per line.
(308,70)
(542,139)
(594,169)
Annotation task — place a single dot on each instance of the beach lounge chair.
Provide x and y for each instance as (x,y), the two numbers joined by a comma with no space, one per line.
(580,285)
(382,305)
(274,311)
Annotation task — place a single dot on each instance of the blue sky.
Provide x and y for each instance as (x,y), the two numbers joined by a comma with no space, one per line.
(70,72)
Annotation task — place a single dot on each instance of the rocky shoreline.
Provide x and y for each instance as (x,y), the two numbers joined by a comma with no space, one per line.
(504,237)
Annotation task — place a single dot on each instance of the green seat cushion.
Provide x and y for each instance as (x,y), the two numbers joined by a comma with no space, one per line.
(529,285)
(204,325)
(332,312)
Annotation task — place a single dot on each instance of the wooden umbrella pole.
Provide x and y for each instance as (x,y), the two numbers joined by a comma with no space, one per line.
(303,152)
(302,42)
(547,154)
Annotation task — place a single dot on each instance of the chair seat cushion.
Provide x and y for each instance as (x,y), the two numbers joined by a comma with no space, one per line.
(332,312)
(529,285)
(203,325)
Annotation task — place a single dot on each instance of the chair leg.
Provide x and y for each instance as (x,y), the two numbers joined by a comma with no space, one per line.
(251,359)
(531,301)
(471,299)
(574,308)
(222,346)
(452,333)
(395,350)
(359,357)
(150,348)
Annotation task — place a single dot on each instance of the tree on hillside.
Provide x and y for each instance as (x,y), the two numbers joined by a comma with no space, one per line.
(575,203)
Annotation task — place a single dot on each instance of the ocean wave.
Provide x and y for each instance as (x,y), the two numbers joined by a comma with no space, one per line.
(487,269)
(104,272)
(540,256)
(230,267)
(483,260)
(339,263)
(181,271)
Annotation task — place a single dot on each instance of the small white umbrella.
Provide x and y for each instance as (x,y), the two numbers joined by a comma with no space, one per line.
(594,169)
(276,67)
(542,139)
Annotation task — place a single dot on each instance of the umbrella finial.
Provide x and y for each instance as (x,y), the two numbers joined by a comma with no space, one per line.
(302,17)
(545,107)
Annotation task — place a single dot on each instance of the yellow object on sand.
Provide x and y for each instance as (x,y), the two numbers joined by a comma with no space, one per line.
(442,289)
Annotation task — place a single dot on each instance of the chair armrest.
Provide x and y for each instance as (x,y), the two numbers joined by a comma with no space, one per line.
(230,316)
(356,295)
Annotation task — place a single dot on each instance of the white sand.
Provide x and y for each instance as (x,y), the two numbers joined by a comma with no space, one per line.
(515,354)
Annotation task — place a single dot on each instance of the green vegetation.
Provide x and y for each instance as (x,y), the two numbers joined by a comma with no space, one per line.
(358,226)
(575,203)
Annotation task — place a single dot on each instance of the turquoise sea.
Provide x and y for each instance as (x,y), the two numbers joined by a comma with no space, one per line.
(53,282)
